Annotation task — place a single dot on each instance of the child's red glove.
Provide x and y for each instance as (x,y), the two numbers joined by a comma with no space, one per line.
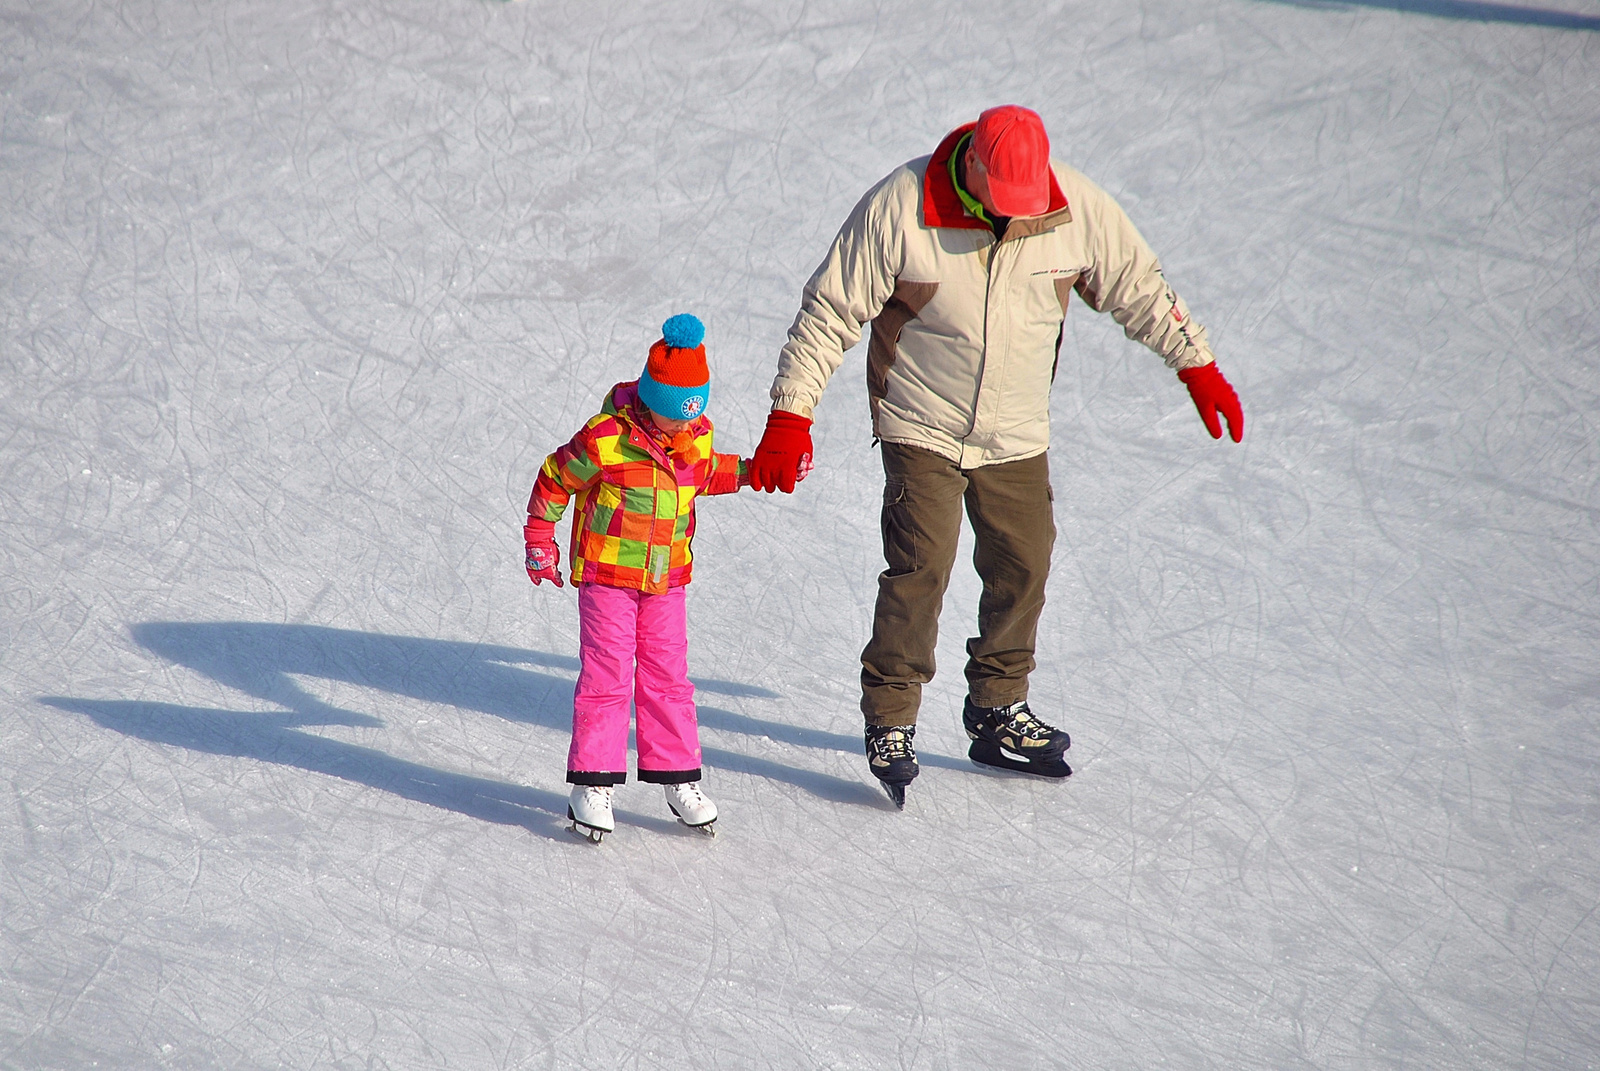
(544,557)
(784,455)
(1212,395)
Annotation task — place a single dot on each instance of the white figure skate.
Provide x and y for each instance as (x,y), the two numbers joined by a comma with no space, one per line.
(693,807)
(589,807)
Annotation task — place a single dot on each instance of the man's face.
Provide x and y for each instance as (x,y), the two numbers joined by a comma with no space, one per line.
(978,182)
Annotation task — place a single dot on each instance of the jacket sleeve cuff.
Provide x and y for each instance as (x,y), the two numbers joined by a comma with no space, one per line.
(792,401)
(544,511)
(730,475)
(1190,358)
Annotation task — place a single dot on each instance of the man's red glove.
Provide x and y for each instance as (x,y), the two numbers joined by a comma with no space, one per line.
(1212,395)
(784,456)
(544,557)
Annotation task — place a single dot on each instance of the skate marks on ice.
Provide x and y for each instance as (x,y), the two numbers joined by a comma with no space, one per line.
(1468,10)
(262,660)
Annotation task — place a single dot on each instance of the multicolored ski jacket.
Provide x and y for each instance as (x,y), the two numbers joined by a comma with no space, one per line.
(635,500)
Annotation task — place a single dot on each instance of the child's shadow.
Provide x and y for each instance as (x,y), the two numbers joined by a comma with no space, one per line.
(262,660)
(272,737)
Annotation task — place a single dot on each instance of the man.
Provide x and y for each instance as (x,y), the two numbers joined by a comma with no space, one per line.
(963,263)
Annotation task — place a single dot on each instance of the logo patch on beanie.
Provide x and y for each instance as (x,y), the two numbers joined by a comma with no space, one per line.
(691,406)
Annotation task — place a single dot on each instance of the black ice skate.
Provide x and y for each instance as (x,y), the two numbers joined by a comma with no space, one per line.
(1012,738)
(892,758)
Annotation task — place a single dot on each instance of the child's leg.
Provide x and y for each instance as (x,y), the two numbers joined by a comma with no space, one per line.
(607,624)
(663,699)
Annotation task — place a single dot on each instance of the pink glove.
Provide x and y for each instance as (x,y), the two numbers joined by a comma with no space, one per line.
(544,557)
(783,457)
(1212,395)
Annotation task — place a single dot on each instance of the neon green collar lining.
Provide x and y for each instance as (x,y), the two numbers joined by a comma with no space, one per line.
(972,204)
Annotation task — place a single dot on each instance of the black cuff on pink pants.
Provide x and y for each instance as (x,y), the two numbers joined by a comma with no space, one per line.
(669,777)
(588,777)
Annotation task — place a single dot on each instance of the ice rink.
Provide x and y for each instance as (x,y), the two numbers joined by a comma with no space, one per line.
(297,295)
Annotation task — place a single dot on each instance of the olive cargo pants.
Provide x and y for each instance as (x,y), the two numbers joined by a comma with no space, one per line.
(1010,508)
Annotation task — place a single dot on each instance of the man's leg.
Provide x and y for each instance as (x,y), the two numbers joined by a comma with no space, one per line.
(921,523)
(1014,523)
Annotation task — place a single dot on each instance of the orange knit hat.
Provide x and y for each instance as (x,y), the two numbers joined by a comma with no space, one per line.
(676,383)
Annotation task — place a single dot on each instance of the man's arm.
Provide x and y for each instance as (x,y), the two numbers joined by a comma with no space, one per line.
(848,289)
(1125,280)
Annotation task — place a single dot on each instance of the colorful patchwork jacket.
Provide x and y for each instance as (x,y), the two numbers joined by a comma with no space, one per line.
(635,497)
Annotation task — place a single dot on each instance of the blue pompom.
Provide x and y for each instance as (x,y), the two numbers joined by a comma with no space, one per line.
(683,331)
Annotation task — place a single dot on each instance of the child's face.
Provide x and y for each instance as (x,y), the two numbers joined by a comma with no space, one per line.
(671,427)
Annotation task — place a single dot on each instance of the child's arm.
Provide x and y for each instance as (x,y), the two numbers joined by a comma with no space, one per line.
(726,474)
(543,556)
(564,473)
(571,469)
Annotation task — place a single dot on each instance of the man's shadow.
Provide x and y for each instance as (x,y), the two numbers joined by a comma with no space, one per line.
(262,660)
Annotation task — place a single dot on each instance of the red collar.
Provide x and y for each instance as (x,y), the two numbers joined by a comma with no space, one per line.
(941,205)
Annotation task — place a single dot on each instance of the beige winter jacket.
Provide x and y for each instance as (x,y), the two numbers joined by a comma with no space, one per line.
(966,329)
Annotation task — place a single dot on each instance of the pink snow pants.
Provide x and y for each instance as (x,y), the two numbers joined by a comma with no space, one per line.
(633,645)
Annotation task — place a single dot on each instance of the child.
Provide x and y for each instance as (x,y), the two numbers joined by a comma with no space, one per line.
(634,470)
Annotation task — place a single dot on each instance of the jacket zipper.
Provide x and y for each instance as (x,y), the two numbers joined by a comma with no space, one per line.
(983,353)
(664,460)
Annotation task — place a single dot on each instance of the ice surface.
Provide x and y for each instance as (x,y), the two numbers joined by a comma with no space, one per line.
(297,295)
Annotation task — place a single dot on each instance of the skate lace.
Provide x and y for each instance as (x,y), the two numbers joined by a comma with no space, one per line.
(893,744)
(689,792)
(1022,721)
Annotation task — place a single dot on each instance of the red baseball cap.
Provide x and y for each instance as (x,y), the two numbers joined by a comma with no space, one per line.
(1011,142)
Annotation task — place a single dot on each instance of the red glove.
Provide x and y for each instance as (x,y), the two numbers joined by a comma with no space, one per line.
(1212,395)
(544,557)
(784,456)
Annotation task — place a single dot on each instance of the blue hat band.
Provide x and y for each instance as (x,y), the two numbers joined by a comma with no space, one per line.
(674,403)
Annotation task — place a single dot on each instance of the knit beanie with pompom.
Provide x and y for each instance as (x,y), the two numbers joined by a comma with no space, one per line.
(676,384)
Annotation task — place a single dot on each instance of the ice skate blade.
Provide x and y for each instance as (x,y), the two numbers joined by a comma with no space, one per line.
(989,757)
(896,791)
(588,833)
(1031,775)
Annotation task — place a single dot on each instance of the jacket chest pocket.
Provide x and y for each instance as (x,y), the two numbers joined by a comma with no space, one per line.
(1051,290)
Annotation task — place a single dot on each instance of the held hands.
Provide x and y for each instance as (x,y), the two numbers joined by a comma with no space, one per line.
(1213,394)
(544,557)
(783,457)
